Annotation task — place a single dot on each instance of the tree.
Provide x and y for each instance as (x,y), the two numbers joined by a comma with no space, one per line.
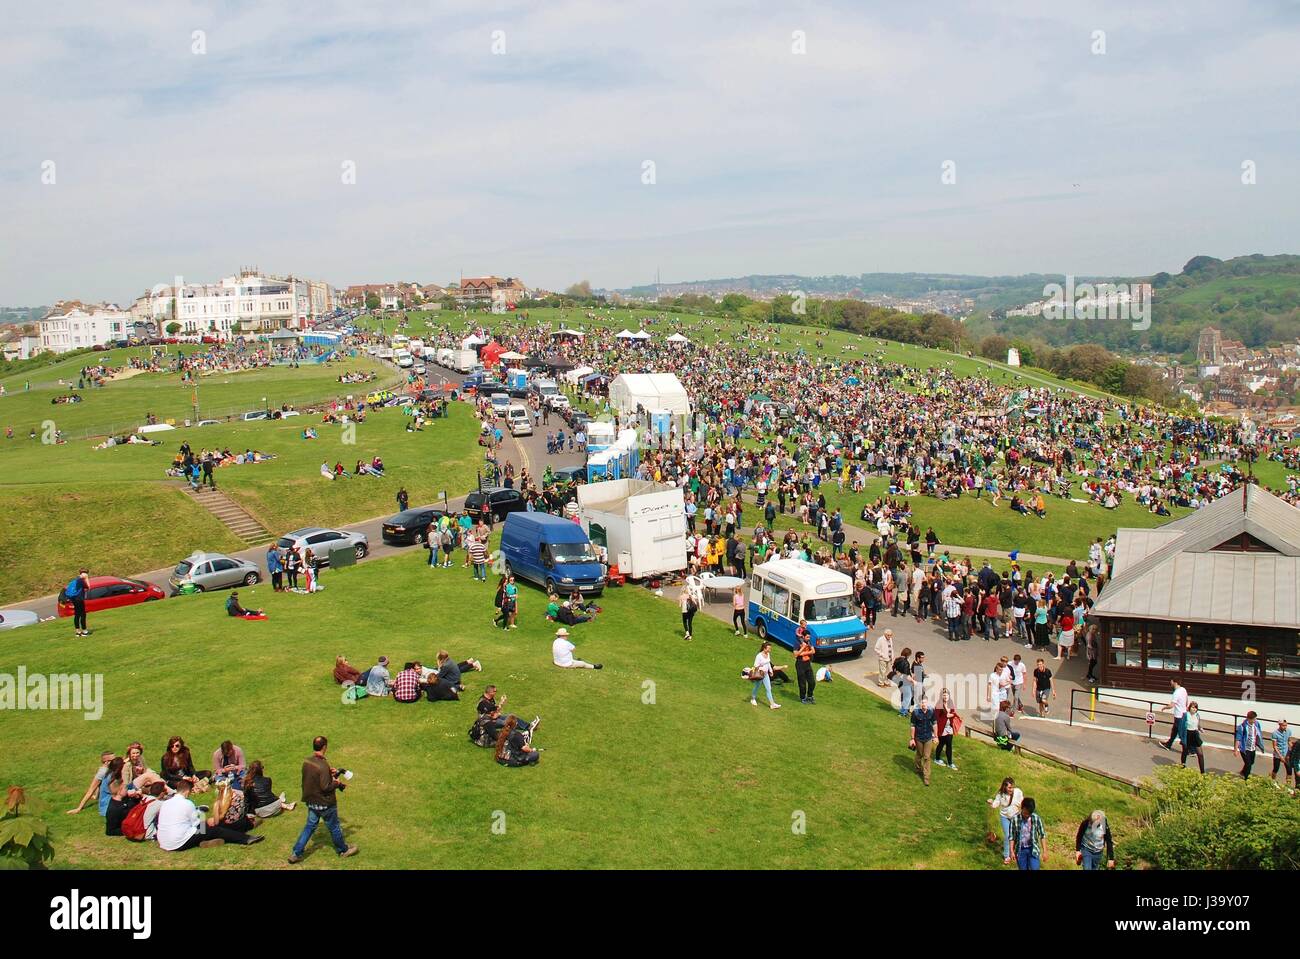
(372,301)
(173,328)
(734,302)
(580,290)
(995,348)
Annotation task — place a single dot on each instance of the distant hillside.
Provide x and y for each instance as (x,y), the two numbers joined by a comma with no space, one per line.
(1255,299)
(985,290)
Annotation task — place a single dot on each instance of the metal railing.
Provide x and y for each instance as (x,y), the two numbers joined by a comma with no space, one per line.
(969,729)
(1213,722)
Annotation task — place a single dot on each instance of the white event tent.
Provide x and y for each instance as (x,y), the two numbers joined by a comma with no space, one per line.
(650,391)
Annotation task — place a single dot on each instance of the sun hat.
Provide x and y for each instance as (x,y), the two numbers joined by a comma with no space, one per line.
(562,632)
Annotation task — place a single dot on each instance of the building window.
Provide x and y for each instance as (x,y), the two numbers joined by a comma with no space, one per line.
(1240,656)
(1125,644)
(1162,644)
(1202,649)
(1282,657)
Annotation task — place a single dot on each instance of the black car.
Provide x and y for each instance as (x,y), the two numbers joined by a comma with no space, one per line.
(409,526)
(494,503)
(570,475)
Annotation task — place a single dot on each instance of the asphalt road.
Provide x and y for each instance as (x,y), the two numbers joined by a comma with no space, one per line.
(529,451)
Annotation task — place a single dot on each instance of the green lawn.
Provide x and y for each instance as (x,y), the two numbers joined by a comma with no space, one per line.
(116,510)
(657,761)
(120,406)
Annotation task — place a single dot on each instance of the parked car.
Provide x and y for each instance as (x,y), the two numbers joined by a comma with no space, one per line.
(409,526)
(207,423)
(111,592)
(13,618)
(522,427)
(557,401)
(495,502)
(570,475)
(256,415)
(323,541)
(205,571)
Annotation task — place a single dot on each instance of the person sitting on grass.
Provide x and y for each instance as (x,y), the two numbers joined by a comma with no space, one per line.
(340,472)
(449,671)
(228,763)
(377,680)
(259,796)
(1003,734)
(181,825)
(406,687)
(234,609)
(491,719)
(325,470)
(562,653)
(345,674)
(178,766)
(514,745)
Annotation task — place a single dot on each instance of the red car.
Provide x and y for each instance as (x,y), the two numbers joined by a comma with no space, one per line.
(110,592)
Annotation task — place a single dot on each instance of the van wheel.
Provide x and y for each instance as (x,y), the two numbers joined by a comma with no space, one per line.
(509,570)
(761,629)
(550,585)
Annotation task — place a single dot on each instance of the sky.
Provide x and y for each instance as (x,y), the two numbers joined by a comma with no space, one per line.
(606,141)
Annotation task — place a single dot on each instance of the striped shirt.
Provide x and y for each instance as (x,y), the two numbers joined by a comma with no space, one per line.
(477,551)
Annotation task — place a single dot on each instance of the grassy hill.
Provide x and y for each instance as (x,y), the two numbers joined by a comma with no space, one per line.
(656,761)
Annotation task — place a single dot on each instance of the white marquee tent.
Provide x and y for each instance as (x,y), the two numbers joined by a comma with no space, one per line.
(650,391)
(677,338)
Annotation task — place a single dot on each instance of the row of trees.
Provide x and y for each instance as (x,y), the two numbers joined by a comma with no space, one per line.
(1085,362)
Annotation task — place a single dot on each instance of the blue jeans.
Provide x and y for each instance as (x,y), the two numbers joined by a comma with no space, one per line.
(1093,860)
(1026,860)
(480,571)
(1008,827)
(905,703)
(766,683)
(331,816)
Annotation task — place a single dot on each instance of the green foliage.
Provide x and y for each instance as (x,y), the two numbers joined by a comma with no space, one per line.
(24,838)
(173,328)
(1219,822)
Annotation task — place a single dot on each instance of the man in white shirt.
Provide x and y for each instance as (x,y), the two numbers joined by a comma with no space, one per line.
(999,685)
(181,826)
(1178,703)
(1018,670)
(562,653)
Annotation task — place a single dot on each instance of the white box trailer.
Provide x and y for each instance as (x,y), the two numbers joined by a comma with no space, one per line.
(463,360)
(643,524)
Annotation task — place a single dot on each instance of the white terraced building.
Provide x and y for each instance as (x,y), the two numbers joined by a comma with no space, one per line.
(248,302)
(76,326)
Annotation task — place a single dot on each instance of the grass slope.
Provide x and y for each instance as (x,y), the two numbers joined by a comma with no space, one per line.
(116,510)
(696,778)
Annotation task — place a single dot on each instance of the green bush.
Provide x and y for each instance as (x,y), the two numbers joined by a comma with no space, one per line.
(1219,822)
(24,838)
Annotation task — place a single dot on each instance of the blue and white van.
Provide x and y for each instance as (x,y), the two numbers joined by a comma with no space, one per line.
(783,591)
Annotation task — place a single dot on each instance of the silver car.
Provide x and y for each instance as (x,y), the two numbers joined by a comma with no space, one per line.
(13,618)
(206,571)
(323,541)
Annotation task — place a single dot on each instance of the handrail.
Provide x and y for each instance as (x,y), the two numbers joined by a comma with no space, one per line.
(1154,707)
(969,728)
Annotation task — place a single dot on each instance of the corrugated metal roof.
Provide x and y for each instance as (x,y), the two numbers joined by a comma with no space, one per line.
(1174,572)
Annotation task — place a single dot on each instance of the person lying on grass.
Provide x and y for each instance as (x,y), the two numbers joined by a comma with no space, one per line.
(234,609)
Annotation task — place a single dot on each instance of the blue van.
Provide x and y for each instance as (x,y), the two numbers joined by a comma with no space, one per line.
(784,591)
(551,552)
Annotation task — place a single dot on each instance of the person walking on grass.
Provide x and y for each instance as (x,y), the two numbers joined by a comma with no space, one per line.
(946,725)
(320,785)
(1093,844)
(803,655)
(1192,742)
(1031,851)
(1007,805)
(761,674)
(76,591)
(922,737)
(1177,703)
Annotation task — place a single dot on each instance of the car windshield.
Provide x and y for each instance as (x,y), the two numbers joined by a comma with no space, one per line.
(821,610)
(572,553)
(183,567)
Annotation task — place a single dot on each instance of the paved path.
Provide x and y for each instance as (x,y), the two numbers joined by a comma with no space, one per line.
(963,667)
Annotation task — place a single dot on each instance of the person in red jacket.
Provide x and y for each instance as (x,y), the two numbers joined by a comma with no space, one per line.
(946,725)
(992,610)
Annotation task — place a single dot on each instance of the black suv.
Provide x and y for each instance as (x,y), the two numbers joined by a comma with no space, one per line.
(494,503)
